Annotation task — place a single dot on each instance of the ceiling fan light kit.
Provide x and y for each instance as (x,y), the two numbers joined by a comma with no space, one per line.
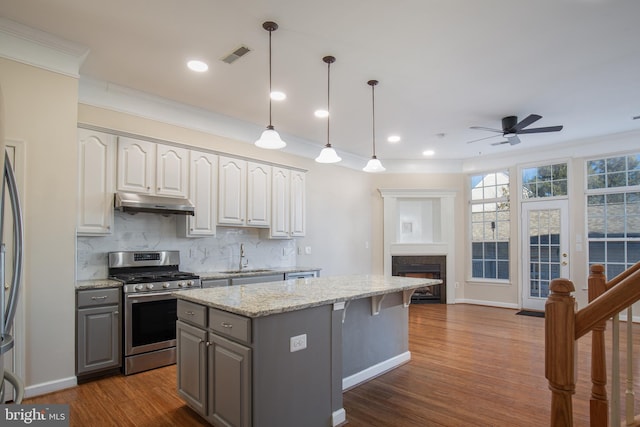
(511,128)
(270,139)
(328,154)
(373,165)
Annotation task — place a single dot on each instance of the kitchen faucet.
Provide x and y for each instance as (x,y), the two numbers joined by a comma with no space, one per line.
(242,265)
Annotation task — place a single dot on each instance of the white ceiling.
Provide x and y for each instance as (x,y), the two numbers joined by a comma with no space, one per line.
(443,65)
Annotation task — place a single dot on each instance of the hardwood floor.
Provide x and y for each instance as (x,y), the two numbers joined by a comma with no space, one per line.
(471,365)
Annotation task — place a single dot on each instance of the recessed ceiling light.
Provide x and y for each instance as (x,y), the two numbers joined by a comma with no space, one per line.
(198,66)
(278,96)
(393,139)
(321,113)
(428,153)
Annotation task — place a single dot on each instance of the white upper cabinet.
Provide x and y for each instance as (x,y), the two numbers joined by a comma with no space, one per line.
(203,180)
(172,164)
(136,165)
(232,191)
(287,204)
(298,219)
(280,200)
(244,193)
(96,183)
(149,168)
(258,194)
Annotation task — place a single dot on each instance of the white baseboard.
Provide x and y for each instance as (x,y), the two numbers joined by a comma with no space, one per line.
(375,370)
(488,303)
(49,387)
(338,417)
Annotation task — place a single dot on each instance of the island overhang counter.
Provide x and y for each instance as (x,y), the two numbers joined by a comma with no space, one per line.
(282,353)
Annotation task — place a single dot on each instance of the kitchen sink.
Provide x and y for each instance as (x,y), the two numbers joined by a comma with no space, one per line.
(249,270)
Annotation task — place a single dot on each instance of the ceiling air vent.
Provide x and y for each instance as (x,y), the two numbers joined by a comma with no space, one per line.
(236,54)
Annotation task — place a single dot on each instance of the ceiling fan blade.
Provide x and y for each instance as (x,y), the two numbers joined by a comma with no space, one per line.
(500,143)
(484,128)
(541,130)
(513,140)
(531,118)
(481,139)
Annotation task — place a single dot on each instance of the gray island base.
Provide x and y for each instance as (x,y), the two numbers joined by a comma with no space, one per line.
(282,353)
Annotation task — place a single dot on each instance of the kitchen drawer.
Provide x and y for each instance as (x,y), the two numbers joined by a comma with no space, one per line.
(230,325)
(96,297)
(195,314)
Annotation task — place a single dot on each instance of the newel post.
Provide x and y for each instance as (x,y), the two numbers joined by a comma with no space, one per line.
(559,343)
(598,404)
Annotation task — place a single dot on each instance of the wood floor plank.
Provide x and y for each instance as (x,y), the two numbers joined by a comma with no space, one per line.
(470,366)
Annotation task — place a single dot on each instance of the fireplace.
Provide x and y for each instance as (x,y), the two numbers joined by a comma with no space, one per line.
(426,267)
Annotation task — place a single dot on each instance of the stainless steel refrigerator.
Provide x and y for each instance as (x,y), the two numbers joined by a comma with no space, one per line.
(9,208)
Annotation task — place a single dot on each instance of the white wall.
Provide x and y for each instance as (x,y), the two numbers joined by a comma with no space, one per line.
(41,112)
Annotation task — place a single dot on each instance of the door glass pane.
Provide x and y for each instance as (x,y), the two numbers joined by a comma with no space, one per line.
(544,250)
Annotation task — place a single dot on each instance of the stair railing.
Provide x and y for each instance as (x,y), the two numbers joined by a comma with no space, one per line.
(564,325)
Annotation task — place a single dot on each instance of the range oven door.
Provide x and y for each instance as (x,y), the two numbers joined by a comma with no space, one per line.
(149,322)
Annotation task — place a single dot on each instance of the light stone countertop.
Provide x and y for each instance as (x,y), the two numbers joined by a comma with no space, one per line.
(97,284)
(110,283)
(254,272)
(264,299)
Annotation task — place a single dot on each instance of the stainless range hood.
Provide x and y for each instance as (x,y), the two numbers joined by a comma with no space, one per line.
(133,203)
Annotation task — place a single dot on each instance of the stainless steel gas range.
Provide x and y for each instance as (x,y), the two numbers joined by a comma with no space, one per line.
(149,324)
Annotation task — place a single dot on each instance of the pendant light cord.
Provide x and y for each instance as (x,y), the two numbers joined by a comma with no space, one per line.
(328,98)
(270,126)
(373,115)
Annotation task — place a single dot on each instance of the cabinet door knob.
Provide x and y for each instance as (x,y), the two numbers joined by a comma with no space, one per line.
(116,312)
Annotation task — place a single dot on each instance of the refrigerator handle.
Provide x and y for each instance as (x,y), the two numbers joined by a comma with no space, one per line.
(18,231)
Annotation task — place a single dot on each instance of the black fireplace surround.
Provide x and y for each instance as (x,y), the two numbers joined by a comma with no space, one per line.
(424,266)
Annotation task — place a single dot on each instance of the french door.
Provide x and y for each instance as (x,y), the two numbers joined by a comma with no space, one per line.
(545,249)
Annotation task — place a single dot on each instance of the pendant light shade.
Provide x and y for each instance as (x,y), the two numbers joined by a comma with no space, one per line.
(328,154)
(373,165)
(270,139)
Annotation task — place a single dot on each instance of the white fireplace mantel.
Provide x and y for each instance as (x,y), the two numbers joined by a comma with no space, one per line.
(439,237)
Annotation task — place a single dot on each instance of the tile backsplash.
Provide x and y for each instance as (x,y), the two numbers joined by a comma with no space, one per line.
(145,231)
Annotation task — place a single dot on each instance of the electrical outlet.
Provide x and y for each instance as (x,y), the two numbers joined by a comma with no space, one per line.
(307,250)
(297,343)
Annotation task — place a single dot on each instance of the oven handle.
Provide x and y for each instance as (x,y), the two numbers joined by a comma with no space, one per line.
(149,295)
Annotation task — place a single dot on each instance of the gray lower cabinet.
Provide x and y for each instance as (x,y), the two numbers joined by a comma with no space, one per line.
(98,330)
(229,382)
(214,372)
(192,365)
(257,279)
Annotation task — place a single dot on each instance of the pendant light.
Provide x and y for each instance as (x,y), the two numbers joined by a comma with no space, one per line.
(328,154)
(374,165)
(270,139)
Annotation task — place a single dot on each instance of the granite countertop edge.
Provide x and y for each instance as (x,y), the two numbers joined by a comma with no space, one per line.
(219,298)
(97,284)
(248,273)
(110,283)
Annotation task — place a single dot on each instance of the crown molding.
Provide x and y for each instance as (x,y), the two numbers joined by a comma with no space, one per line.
(40,49)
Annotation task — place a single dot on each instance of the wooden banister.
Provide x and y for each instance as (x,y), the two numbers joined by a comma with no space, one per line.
(564,325)
(616,299)
(560,344)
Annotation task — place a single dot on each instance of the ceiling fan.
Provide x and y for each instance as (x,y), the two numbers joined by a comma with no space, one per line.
(511,128)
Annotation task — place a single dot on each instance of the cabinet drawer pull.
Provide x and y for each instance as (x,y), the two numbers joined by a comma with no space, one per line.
(99,298)
(226,325)
(190,313)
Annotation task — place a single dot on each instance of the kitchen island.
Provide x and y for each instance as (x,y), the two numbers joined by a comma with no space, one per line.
(282,353)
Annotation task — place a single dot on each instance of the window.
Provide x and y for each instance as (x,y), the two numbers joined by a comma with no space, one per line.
(613,212)
(544,181)
(490,227)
